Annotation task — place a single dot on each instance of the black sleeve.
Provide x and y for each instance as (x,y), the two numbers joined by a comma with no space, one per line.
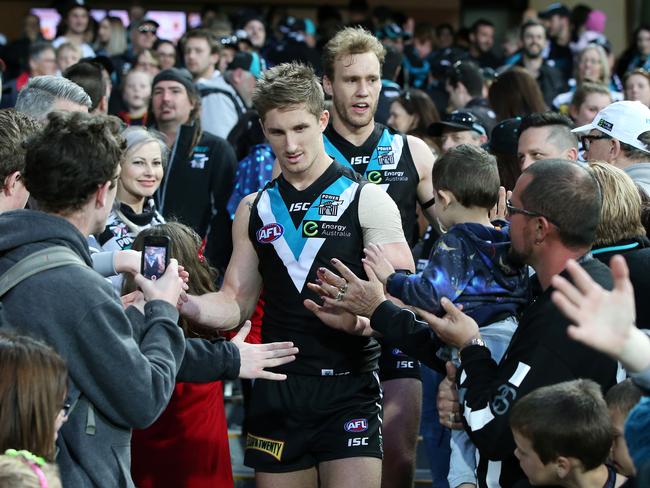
(219,243)
(401,328)
(207,361)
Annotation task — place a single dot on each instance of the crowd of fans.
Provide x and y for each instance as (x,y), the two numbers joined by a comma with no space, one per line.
(515,174)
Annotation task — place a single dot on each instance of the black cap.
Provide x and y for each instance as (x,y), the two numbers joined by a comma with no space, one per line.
(182,76)
(66,5)
(459,120)
(555,9)
(144,21)
(292,24)
(248,62)
(468,73)
(391,31)
(505,137)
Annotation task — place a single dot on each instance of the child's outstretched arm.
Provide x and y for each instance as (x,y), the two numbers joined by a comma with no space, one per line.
(377,261)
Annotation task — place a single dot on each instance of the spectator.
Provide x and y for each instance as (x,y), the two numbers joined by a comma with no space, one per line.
(549,78)
(242,74)
(143,36)
(111,37)
(24,470)
(166,51)
(621,399)
(390,89)
(546,136)
(67,54)
(465,85)
(42,62)
(637,86)
(148,61)
(45,94)
(556,18)
(88,75)
(294,45)
(33,391)
(588,99)
(481,38)
(136,93)
(620,135)
(75,16)
(515,94)
(256,31)
(412,113)
(444,36)
(202,161)
(639,56)
(563,434)
(416,62)
(503,146)
(164,454)
(221,106)
(15,128)
(16,53)
(620,231)
(458,127)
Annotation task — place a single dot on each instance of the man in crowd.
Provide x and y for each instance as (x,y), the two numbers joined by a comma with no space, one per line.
(554,211)
(45,94)
(481,38)
(546,136)
(620,135)
(143,34)
(531,58)
(15,128)
(557,20)
(75,16)
(199,176)
(402,166)
(459,127)
(42,61)
(88,75)
(221,105)
(464,86)
(242,74)
(283,238)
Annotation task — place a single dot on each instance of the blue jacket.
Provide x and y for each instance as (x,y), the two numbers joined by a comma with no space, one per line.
(470,266)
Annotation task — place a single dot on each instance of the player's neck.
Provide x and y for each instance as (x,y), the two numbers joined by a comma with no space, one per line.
(304,179)
(355,135)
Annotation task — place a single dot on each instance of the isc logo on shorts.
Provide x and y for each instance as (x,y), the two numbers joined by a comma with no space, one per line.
(356,425)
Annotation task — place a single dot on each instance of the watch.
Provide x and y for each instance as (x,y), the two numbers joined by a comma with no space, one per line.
(477,340)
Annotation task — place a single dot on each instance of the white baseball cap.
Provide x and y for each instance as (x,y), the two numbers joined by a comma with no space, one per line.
(624,121)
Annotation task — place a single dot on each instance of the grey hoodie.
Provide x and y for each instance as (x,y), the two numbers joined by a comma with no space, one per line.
(122,372)
(640,174)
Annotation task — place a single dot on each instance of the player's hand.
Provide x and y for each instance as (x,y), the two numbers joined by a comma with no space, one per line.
(447,401)
(167,288)
(455,328)
(376,260)
(338,318)
(256,358)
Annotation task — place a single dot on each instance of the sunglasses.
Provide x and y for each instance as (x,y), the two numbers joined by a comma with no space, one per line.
(148,29)
(512,210)
(586,140)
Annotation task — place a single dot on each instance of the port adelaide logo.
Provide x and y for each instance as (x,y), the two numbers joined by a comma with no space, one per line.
(329,205)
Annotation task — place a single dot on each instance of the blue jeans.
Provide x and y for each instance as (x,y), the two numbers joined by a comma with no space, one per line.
(462,464)
(435,436)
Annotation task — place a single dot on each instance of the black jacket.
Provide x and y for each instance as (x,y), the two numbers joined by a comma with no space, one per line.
(550,81)
(198,183)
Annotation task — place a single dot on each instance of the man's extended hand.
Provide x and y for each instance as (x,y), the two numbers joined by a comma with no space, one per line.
(448,406)
(455,328)
(255,358)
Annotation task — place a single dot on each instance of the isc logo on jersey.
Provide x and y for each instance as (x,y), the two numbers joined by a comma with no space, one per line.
(360,160)
(356,425)
(269,233)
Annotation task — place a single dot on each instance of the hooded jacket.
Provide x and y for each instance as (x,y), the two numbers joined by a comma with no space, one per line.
(469,265)
(121,371)
(640,174)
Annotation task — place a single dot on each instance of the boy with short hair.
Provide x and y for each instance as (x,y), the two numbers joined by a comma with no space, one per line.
(470,265)
(621,399)
(563,435)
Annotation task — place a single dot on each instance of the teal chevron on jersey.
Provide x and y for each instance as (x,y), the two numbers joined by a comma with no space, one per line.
(385,155)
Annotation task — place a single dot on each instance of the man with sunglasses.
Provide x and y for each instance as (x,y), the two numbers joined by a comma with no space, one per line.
(620,135)
(143,35)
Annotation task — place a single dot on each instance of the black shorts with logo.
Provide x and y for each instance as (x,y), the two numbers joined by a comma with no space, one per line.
(394,364)
(303,421)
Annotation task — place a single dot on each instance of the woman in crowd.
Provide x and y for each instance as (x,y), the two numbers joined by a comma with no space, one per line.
(515,93)
(141,175)
(412,113)
(592,66)
(638,54)
(620,231)
(33,388)
(148,61)
(166,51)
(188,444)
(637,86)
(111,37)
(588,99)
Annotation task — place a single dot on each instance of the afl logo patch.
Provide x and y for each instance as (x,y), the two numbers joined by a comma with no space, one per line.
(269,233)
(356,425)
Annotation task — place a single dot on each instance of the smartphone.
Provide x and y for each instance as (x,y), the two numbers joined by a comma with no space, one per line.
(155,257)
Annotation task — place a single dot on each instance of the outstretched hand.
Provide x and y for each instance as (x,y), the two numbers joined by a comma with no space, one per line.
(454,328)
(447,400)
(255,358)
(376,260)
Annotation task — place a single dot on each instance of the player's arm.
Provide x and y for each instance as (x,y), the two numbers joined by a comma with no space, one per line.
(236,300)
(381,224)
(424,160)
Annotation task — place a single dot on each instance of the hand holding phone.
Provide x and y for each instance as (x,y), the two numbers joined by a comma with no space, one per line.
(155,257)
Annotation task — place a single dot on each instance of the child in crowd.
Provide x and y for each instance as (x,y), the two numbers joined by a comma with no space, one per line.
(21,469)
(563,435)
(470,264)
(621,399)
(67,54)
(136,93)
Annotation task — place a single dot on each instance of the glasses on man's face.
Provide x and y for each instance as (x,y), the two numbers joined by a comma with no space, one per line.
(147,29)
(512,210)
(586,140)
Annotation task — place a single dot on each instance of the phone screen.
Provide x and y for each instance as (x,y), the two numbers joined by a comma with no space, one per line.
(154,261)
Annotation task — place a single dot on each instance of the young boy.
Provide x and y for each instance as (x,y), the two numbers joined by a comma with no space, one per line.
(136,93)
(563,435)
(620,399)
(469,264)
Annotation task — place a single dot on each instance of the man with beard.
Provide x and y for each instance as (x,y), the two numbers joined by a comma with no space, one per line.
(557,18)
(549,78)
(545,234)
(402,165)
(481,38)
